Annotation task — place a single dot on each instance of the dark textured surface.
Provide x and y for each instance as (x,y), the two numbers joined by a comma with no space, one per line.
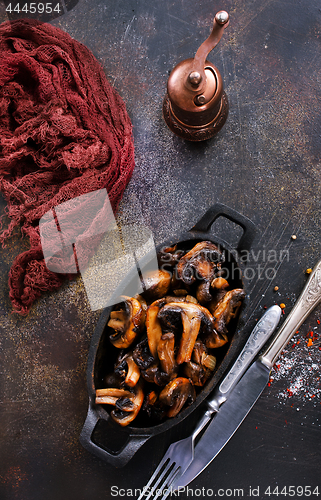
(265,163)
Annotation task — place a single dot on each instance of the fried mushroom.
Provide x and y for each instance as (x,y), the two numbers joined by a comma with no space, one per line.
(211,288)
(155,410)
(153,326)
(166,354)
(155,375)
(215,339)
(201,262)
(142,355)
(227,309)
(127,322)
(176,394)
(157,284)
(200,368)
(192,315)
(127,403)
(128,370)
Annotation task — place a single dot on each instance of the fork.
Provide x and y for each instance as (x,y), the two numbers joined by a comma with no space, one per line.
(176,460)
(181,453)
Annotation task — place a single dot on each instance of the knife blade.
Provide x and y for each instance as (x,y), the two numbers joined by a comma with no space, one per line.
(181,453)
(251,385)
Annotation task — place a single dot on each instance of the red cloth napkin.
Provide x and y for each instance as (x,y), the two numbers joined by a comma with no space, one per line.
(64,132)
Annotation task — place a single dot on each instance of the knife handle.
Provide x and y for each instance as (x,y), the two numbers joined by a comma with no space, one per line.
(307,301)
(260,334)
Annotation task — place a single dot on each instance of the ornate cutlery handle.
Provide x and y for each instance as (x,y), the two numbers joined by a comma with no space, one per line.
(307,301)
(260,334)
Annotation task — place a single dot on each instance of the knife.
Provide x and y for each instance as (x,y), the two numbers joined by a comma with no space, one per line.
(180,454)
(249,388)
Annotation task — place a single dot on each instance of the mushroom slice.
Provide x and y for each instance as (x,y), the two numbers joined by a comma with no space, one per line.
(190,298)
(142,301)
(176,394)
(127,370)
(203,294)
(195,373)
(219,283)
(200,262)
(142,355)
(215,339)
(165,351)
(157,284)
(110,395)
(202,365)
(227,309)
(154,375)
(169,256)
(219,290)
(153,326)
(126,323)
(133,372)
(129,411)
(192,316)
(153,407)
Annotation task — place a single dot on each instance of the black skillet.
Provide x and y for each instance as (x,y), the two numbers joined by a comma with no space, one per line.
(135,435)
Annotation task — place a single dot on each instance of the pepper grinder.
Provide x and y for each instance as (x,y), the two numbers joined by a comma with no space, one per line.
(195,106)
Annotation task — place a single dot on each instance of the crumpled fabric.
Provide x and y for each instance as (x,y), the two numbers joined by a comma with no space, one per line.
(64,132)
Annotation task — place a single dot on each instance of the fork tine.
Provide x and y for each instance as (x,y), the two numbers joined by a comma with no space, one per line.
(166,464)
(162,479)
(167,484)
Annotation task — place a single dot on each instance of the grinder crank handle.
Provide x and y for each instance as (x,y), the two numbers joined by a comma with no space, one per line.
(307,301)
(196,79)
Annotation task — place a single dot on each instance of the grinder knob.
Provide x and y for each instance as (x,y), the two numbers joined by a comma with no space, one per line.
(195,106)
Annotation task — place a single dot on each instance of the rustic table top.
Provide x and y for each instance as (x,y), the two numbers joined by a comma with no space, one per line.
(264,163)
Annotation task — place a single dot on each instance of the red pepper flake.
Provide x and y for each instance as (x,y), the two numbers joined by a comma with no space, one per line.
(310,342)
(298,342)
(311,333)
(297,331)
(286,422)
(290,392)
(318,321)
(313,396)
(269,384)
(255,427)
(293,346)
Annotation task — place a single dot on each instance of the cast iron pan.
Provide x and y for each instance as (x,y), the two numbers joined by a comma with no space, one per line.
(135,435)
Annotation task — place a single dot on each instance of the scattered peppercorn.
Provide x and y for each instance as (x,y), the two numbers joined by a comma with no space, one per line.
(309,270)
(276,288)
(293,236)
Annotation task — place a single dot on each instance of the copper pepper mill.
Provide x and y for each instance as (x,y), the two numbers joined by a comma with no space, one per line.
(196,106)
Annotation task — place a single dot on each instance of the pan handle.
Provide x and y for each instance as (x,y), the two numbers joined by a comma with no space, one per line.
(220,210)
(119,458)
